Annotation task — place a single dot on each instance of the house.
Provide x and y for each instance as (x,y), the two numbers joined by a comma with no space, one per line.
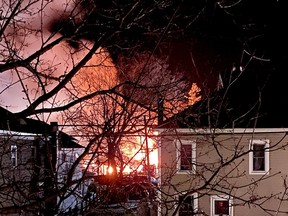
(35,157)
(225,155)
(74,197)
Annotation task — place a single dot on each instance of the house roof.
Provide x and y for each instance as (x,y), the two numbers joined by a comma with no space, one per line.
(11,122)
(248,100)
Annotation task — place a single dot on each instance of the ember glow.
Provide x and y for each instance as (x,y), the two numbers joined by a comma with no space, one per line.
(141,154)
(109,170)
(134,158)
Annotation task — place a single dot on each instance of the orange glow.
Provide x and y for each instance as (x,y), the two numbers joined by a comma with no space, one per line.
(102,74)
(134,159)
(110,170)
(127,170)
(193,94)
(153,155)
(137,150)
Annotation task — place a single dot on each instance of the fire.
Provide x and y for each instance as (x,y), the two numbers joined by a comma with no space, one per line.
(110,170)
(135,160)
(139,152)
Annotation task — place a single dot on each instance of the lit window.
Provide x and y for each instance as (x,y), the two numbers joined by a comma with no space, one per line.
(13,152)
(186,155)
(221,205)
(259,157)
(188,205)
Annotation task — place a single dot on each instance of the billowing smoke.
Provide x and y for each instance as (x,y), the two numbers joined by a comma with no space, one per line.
(143,36)
(190,42)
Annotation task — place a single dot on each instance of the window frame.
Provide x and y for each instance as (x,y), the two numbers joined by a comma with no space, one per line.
(179,144)
(214,198)
(266,144)
(14,152)
(195,202)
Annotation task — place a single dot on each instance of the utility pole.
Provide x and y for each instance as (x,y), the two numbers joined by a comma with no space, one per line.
(51,148)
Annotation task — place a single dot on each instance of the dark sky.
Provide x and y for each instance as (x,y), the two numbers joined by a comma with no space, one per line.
(207,29)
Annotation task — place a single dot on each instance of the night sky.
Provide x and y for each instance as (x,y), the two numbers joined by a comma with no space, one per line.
(207,29)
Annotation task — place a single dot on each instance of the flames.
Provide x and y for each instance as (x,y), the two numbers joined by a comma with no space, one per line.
(134,150)
(98,74)
(137,158)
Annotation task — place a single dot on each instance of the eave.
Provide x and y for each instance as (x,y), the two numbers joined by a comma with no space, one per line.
(200,131)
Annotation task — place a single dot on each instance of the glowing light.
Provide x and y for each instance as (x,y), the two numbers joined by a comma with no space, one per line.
(110,170)
(193,94)
(153,155)
(127,170)
(135,158)
(140,168)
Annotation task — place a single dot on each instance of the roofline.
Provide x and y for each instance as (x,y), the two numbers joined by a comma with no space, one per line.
(25,135)
(222,131)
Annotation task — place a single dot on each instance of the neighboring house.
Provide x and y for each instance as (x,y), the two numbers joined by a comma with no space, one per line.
(33,155)
(224,160)
(73,199)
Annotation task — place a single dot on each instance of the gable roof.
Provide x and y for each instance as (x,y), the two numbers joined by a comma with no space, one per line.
(11,122)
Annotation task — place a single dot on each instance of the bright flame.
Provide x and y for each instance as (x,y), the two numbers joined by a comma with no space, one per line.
(139,151)
(194,94)
(135,157)
(153,154)
(127,169)
(140,168)
(110,170)
(136,149)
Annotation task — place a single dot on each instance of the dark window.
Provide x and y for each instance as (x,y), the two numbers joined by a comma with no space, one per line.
(221,207)
(258,157)
(64,157)
(186,157)
(33,152)
(187,206)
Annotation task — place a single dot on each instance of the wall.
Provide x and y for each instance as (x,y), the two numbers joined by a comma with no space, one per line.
(233,176)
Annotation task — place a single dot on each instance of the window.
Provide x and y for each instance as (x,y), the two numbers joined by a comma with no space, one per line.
(221,205)
(13,152)
(188,206)
(186,155)
(259,157)
(33,152)
(64,157)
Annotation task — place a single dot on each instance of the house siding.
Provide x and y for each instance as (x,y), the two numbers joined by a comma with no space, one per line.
(17,181)
(212,154)
(24,186)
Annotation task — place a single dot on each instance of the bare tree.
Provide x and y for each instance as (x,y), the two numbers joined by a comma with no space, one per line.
(101,68)
(53,67)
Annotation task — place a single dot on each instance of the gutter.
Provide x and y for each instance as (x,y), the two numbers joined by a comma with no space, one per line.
(221,131)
